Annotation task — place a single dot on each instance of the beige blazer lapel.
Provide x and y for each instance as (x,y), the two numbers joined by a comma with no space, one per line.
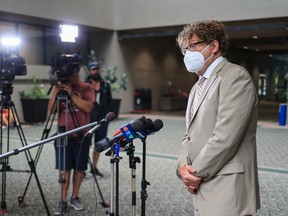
(208,85)
(189,106)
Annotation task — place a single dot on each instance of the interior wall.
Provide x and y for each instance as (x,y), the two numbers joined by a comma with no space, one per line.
(127,14)
(108,50)
(152,63)
(149,62)
(96,13)
(151,13)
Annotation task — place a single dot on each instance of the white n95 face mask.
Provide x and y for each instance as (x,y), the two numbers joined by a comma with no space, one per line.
(194,60)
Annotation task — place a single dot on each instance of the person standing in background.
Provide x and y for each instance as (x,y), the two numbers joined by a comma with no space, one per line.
(101,107)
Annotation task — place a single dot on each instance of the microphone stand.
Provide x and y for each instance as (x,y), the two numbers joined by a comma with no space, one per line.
(27,147)
(115,158)
(144,183)
(132,165)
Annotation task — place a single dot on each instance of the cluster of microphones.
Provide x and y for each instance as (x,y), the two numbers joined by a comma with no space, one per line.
(138,128)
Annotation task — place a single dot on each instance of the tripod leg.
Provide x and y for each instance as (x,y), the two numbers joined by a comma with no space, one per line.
(45,134)
(103,203)
(32,166)
(31,163)
(21,198)
(3,201)
(4,163)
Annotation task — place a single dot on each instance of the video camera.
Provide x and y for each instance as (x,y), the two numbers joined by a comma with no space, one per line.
(63,66)
(11,65)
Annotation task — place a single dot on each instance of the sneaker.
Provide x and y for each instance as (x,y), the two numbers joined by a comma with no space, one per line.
(64,206)
(76,204)
(96,172)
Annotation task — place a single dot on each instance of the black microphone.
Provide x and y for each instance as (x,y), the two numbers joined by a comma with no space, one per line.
(128,132)
(151,128)
(109,117)
(142,119)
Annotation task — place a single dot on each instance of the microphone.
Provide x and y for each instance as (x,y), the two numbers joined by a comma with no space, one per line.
(109,117)
(128,132)
(151,128)
(142,119)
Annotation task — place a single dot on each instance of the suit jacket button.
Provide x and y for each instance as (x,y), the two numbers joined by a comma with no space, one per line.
(188,138)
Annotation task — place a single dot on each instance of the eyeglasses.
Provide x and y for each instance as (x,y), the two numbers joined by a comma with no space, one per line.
(191,47)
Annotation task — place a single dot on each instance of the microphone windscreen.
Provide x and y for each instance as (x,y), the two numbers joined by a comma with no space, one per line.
(148,124)
(158,124)
(142,119)
(110,116)
(137,125)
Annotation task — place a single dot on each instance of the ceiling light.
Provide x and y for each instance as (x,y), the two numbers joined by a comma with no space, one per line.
(255,37)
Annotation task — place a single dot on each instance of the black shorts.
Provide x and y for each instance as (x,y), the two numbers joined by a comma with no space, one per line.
(74,154)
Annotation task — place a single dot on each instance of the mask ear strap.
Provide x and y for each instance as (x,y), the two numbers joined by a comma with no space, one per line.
(209,57)
(206,48)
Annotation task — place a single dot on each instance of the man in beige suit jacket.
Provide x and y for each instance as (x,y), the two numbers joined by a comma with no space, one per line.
(217,159)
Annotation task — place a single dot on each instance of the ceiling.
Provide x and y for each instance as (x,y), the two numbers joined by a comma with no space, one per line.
(269,36)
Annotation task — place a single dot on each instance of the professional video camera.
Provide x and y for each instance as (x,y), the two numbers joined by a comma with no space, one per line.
(63,66)
(10,65)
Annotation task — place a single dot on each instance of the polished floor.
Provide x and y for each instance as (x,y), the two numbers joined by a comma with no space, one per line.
(166,194)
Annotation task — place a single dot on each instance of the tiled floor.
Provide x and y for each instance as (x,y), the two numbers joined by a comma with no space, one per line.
(166,194)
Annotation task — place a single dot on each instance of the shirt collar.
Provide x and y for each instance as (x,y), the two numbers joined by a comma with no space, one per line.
(211,67)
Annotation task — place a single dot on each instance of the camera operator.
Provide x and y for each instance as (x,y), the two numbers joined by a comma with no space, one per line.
(81,98)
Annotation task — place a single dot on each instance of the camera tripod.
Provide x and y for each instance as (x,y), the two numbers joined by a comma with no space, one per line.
(64,98)
(6,103)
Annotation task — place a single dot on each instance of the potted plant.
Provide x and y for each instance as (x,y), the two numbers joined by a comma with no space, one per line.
(34,102)
(116,85)
(116,81)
